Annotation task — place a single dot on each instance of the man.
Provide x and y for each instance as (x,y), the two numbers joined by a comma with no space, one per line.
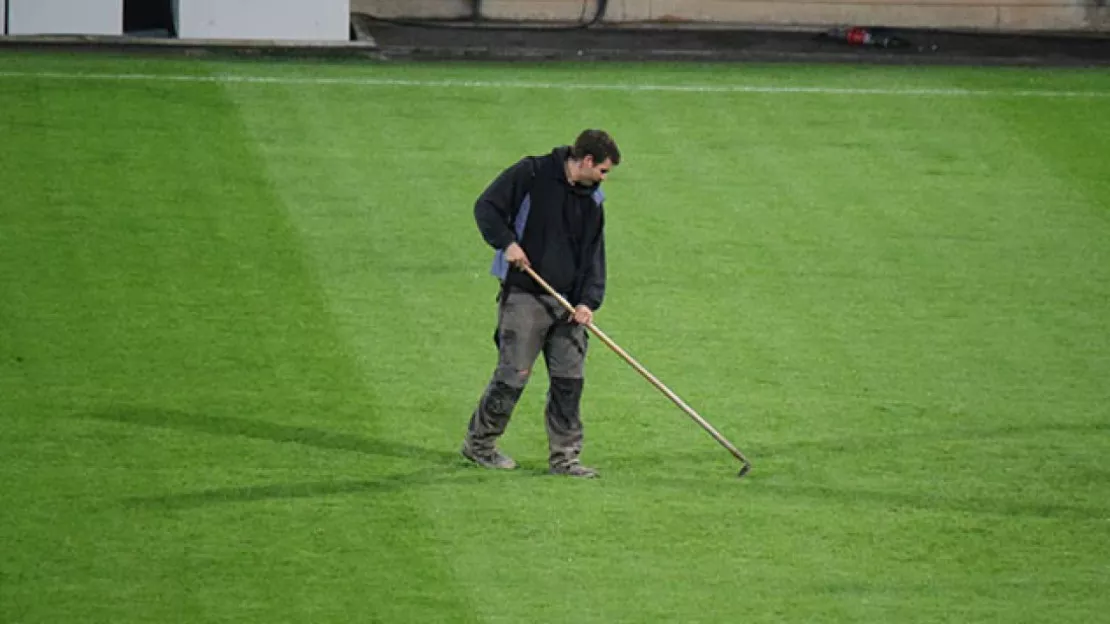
(544,212)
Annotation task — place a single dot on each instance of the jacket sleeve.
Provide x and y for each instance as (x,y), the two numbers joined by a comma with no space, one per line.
(497,206)
(593,288)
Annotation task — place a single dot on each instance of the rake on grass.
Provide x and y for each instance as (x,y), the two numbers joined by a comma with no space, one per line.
(747,465)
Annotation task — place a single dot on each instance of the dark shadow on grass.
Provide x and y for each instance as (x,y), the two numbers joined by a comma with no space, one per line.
(762,483)
(758,487)
(648,471)
(447,467)
(866,443)
(310,489)
(273,432)
(873,441)
(893,501)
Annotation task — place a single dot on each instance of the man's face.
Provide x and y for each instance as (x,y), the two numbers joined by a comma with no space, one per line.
(591,173)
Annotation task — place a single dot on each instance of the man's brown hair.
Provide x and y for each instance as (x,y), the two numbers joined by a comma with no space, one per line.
(596,143)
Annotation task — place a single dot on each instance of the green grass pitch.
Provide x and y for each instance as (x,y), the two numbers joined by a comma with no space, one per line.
(245,313)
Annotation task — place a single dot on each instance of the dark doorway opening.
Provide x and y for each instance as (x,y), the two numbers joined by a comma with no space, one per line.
(148,18)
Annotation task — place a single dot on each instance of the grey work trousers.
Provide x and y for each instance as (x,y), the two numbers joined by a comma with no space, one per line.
(526,325)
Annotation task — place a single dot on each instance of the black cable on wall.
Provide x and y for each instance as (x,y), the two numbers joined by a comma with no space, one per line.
(602,6)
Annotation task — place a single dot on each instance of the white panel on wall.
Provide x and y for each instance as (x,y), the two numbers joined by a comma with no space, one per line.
(65,17)
(302,20)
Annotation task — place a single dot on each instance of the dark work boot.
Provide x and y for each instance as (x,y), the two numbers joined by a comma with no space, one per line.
(493,459)
(564,428)
(575,469)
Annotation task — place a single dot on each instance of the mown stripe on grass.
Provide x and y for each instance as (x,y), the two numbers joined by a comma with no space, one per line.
(558,86)
(176,413)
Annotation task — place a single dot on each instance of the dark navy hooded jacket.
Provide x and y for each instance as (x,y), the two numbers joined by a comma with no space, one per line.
(559,225)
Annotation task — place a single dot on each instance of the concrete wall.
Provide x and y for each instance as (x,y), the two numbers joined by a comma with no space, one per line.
(3,17)
(65,17)
(414,8)
(991,15)
(287,20)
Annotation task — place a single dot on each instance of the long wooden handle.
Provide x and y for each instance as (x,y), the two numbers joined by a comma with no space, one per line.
(645,373)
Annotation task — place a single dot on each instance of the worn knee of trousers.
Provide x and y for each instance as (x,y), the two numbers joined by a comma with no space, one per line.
(501,398)
(512,377)
(564,397)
